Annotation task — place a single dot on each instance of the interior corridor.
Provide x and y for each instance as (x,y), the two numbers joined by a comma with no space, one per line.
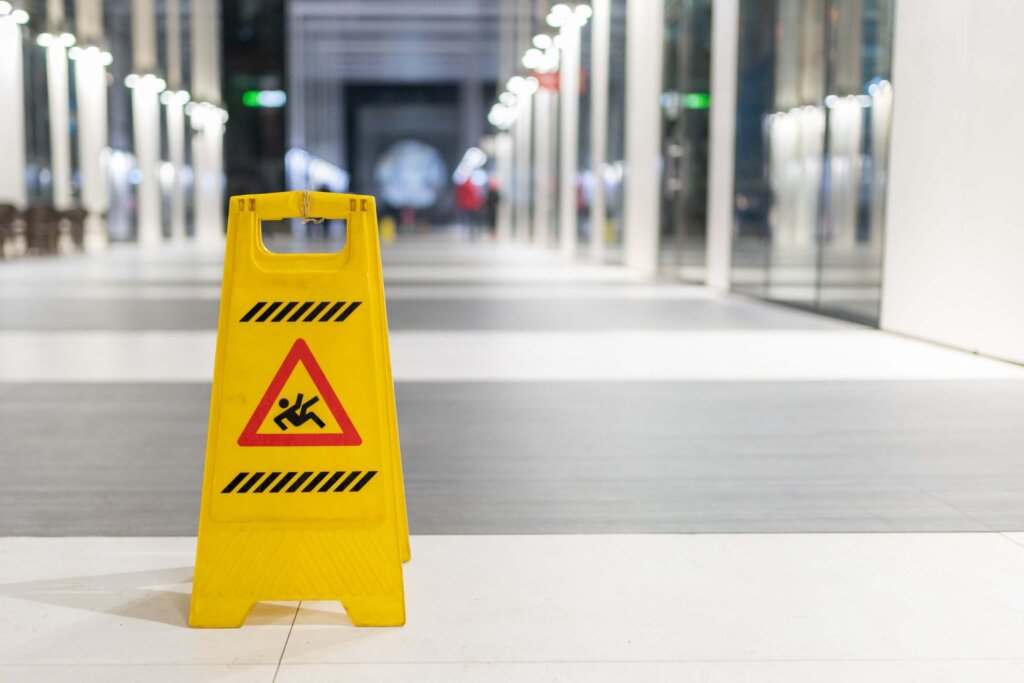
(533,397)
(567,405)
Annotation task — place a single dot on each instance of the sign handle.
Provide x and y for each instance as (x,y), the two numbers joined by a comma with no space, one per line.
(359,212)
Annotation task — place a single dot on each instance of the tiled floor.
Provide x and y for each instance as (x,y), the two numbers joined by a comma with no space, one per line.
(561,415)
(750,607)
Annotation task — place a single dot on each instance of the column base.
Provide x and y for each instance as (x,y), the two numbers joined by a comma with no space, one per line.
(95,239)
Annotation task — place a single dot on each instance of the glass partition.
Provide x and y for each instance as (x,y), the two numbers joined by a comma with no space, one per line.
(814,107)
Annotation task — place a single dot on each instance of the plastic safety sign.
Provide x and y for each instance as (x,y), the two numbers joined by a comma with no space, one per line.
(302,491)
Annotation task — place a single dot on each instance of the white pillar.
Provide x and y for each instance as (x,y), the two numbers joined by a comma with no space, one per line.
(57,40)
(146,129)
(568,130)
(722,142)
(208,160)
(523,136)
(91,92)
(175,110)
(207,123)
(91,95)
(299,131)
(543,164)
(60,130)
(146,88)
(174,101)
(12,132)
(644,26)
(599,50)
(503,161)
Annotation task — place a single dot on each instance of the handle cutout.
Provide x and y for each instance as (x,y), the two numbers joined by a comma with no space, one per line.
(291,236)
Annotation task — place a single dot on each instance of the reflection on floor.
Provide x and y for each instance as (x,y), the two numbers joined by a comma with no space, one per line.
(534,398)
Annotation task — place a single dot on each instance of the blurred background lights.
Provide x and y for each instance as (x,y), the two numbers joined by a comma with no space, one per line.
(7,11)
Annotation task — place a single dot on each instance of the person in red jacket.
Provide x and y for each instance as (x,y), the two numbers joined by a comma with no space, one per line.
(469,202)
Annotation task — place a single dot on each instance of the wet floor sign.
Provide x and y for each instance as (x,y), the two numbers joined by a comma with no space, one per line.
(302,491)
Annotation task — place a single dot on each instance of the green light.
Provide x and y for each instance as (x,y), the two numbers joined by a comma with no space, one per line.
(266,99)
(696,100)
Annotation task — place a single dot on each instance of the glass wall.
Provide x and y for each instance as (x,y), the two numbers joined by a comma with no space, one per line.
(684,106)
(814,106)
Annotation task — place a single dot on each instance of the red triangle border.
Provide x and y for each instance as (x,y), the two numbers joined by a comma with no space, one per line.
(300,352)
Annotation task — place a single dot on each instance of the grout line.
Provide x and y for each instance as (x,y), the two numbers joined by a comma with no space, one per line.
(286,639)
(1011,539)
(936,497)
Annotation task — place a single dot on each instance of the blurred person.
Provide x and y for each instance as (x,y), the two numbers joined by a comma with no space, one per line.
(469,204)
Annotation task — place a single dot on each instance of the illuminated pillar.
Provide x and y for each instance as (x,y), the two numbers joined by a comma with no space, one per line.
(91,62)
(57,39)
(644,47)
(146,88)
(722,142)
(174,100)
(523,137)
(569,126)
(599,51)
(503,161)
(12,92)
(208,119)
(545,106)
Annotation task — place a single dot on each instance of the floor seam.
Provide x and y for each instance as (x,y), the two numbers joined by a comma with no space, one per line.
(928,493)
(286,639)
(1011,539)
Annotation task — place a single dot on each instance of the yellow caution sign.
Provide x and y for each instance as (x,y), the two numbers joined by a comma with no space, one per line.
(302,492)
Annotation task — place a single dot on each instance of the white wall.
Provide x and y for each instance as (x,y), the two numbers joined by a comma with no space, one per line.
(954,257)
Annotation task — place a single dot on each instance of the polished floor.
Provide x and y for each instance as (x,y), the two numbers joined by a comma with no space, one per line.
(608,479)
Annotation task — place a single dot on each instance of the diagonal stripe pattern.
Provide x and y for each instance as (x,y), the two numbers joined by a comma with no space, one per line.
(301,482)
(300,311)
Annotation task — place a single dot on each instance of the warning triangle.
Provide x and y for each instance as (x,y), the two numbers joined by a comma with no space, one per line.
(296,413)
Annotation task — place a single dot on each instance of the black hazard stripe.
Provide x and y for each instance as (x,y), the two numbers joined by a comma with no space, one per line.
(299,311)
(301,482)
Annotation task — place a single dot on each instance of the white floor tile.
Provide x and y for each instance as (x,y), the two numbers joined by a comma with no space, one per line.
(736,355)
(152,673)
(108,356)
(87,601)
(1016,536)
(567,291)
(814,607)
(691,598)
(398,292)
(1011,671)
(110,292)
(490,273)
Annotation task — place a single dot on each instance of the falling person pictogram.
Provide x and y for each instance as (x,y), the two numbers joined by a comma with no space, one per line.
(298,413)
